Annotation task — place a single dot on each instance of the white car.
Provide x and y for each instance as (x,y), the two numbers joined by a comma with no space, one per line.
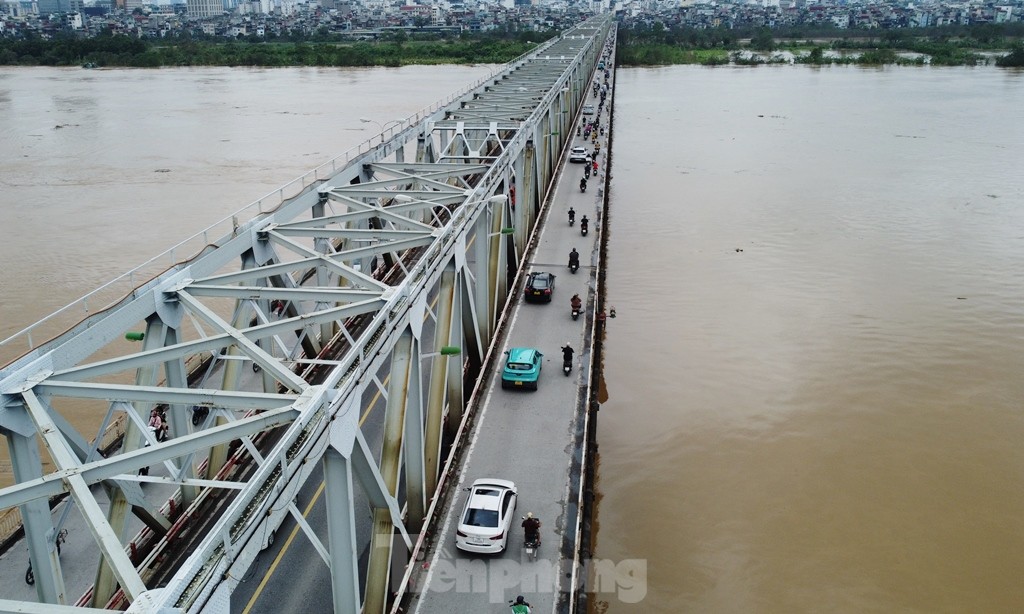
(486,521)
(579,154)
(588,109)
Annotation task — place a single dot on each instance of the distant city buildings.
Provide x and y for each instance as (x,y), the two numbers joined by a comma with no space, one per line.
(369,19)
(202,9)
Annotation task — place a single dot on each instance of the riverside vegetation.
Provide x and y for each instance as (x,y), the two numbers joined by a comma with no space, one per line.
(322,50)
(639,45)
(946,46)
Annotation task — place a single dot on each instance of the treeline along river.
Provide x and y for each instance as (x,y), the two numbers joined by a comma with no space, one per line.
(814,373)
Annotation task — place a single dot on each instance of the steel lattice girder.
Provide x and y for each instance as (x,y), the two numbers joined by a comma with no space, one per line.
(465,164)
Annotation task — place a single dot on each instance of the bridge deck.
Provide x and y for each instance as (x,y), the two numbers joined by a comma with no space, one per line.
(531,438)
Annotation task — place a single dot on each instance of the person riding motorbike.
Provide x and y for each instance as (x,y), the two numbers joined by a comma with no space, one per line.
(586,171)
(576,302)
(583,184)
(574,257)
(584,222)
(567,352)
(157,425)
(531,528)
(572,216)
(520,606)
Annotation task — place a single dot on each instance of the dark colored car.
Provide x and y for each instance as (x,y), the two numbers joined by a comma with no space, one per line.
(540,286)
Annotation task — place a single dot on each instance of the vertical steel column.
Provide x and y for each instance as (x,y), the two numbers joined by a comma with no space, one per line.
(390,465)
(180,422)
(341,528)
(105,583)
(481,281)
(232,369)
(35,516)
(531,197)
(322,245)
(110,545)
(413,444)
(458,327)
(496,271)
(438,379)
(521,209)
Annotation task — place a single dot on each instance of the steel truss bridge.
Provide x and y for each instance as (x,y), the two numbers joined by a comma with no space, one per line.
(390,275)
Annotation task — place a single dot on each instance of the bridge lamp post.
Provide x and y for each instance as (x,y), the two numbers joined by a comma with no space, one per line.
(383,127)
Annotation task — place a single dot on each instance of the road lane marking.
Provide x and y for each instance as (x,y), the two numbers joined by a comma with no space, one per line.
(305,514)
(319,491)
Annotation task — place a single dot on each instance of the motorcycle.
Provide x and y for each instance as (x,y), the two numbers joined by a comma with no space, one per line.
(199,413)
(572,218)
(586,171)
(574,265)
(575,313)
(531,545)
(583,228)
(583,184)
(567,365)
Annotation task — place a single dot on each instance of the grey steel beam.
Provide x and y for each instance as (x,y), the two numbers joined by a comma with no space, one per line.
(122,464)
(379,565)
(209,397)
(326,295)
(95,520)
(412,442)
(35,516)
(438,381)
(341,526)
(180,422)
(106,583)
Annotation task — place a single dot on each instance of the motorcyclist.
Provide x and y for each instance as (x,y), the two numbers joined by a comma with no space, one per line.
(531,529)
(520,606)
(576,302)
(584,222)
(583,183)
(586,171)
(567,353)
(572,215)
(574,257)
(157,425)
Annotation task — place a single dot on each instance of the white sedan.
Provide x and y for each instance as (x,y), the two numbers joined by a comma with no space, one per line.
(579,154)
(486,522)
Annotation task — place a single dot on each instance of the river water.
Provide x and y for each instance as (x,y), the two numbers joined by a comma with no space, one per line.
(815,370)
(814,373)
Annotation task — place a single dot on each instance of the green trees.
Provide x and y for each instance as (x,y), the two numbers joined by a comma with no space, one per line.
(127,51)
(1014,58)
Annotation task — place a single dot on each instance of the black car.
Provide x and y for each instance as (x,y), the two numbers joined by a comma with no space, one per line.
(540,286)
